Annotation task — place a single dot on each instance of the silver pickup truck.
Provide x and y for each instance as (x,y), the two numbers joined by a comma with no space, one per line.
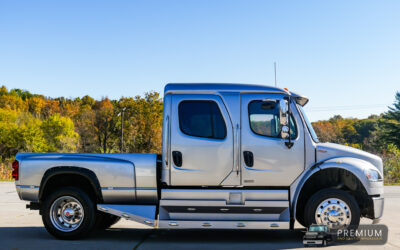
(233,157)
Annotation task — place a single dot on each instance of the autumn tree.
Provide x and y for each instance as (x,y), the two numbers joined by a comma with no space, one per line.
(85,126)
(326,131)
(105,125)
(50,108)
(36,104)
(13,102)
(143,123)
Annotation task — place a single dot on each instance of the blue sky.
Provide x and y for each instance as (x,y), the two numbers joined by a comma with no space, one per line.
(343,55)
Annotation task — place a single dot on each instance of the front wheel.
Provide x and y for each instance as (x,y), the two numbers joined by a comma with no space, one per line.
(332,207)
(68,213)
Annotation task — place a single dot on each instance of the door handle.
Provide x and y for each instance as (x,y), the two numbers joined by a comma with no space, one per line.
(248,158)
(177,158)
(237,150)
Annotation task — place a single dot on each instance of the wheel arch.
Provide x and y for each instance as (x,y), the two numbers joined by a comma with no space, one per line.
(84,177)
(350,168)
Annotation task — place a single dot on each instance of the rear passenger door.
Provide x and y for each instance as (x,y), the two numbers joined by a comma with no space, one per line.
(201,140)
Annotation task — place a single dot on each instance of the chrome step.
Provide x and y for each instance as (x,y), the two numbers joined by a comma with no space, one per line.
(144,214)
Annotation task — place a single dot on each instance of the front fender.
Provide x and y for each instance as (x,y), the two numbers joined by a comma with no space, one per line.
(357,167)
(354,165)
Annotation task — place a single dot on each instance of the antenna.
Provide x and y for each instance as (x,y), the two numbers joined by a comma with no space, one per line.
(275,72)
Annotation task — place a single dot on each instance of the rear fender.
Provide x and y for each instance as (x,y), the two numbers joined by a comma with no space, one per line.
(86,173)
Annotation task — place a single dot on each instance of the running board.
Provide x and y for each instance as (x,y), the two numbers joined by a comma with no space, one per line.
(223,224)
(144,214)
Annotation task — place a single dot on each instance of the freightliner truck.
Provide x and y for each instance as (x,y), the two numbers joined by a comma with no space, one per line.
(234,156)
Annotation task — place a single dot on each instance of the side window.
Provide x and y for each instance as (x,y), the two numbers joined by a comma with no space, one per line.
(201,119)
(264,119)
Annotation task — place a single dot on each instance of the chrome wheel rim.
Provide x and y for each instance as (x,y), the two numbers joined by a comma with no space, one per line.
(334,213)
(66,213)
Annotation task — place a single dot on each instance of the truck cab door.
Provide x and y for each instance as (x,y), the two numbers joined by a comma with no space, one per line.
(201,149)
(265,159)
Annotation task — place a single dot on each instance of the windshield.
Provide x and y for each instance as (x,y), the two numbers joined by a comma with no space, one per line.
(310,128)
(317,229)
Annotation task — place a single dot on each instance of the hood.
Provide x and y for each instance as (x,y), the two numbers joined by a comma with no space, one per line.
(327,151)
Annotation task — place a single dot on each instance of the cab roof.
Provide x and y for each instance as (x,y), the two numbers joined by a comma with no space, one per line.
(229,87)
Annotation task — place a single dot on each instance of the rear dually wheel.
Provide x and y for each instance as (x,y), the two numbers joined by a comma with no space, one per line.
(68,213)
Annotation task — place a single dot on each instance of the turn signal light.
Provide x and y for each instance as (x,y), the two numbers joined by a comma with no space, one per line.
(15,172)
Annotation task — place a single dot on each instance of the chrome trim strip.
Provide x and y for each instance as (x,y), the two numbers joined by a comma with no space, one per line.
(187,169)
(224,224)
(223,204)
(125,188)
(227,190)
(28,187)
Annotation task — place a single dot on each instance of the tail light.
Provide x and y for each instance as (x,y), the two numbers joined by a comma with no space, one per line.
(15,172)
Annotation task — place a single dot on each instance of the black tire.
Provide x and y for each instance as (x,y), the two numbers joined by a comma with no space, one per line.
(320,196)
(300,220)
(104,221)
(87,222)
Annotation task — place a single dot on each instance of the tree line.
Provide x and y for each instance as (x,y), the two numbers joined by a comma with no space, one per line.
(35,123)
(378,134)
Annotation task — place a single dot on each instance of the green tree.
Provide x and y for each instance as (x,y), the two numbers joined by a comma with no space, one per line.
(30,133)
(59,134)
(10,141)
(391,126)
(20,132)
(391,162)
(3,90)
(349,133)
(87,100)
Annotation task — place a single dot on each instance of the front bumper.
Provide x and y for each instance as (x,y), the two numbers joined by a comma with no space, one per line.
(378,204)
(313,242)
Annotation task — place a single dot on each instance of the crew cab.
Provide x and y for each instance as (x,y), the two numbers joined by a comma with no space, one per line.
(234,156)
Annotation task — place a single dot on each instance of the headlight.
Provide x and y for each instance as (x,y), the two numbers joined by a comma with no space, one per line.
(373,175)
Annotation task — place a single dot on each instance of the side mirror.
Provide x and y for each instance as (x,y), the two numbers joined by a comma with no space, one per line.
(283,110)
(284,121)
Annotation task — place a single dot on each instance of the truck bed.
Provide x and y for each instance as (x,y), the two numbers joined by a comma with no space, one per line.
(121,178)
